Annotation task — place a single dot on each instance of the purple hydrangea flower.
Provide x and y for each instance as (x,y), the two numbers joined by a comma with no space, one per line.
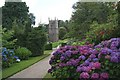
(68,53)
(55,53)
(69,63)
(4,59)
(95,59)
(114,59)
(62,64)
(89,59)
(98,46)
(51,61)
(50,70)
(104,51)
(62,58)
(92,56)
(94,51)
(91,64)
(15,57)
(79,69)
(82,57)
(75,52)
(86,63)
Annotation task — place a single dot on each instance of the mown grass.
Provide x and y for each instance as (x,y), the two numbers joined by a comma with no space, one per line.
(7,72)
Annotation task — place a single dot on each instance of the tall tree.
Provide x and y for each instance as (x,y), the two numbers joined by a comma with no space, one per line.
(12,11)
(85,13)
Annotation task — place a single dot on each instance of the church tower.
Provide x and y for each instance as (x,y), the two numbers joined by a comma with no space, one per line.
(53,30)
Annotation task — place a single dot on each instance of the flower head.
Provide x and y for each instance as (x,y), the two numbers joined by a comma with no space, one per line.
(62,58)
(97,65)
(95,76)
(84,75)
(104,75)
(114,59)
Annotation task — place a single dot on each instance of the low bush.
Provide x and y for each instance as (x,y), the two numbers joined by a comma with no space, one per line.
(88,61)
(48,46)
(23,53)
(8,57)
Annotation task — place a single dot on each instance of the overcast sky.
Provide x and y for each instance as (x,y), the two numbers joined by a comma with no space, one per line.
(42,9)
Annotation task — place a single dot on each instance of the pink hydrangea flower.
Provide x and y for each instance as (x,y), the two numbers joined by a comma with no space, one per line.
(104,75)
(84,75)
(107,57)
(97,65)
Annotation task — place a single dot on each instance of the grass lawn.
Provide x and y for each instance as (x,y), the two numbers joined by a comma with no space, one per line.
(16,67)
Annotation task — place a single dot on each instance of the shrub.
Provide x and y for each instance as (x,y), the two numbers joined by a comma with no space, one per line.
(100,32)
(36,41)
(8,57)
(48,46)
(62,33)
(8,40)
(23,53)
(88,61)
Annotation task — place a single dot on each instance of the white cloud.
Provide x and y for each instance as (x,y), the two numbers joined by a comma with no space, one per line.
(42,9)
(2,2)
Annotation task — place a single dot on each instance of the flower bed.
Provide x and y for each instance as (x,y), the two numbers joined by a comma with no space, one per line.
(88,61)
(8,57)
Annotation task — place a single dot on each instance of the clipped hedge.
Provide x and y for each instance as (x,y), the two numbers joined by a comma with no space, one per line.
(23,53)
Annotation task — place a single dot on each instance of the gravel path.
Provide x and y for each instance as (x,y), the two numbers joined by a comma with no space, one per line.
(38,70)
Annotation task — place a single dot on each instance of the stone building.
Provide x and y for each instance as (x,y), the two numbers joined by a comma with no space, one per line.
(53,30)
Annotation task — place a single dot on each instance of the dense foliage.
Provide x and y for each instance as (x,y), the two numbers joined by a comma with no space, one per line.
(62,33)
(23,53)
(100,32)
(8,40)
(36,41)
(12,11)
(88,61)
(85,13)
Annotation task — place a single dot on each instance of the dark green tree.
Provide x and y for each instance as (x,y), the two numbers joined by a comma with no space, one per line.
(85,13)
(16,16)
(12,11)
(36,41)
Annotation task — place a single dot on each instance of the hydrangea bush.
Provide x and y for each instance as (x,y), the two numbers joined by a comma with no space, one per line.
(101,61)
(8,57)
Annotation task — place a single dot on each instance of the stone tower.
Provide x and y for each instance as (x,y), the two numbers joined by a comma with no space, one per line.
(53,30)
